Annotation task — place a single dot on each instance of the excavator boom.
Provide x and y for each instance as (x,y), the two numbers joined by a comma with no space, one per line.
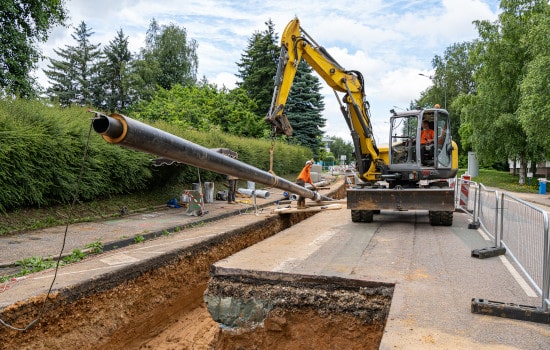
(296,45)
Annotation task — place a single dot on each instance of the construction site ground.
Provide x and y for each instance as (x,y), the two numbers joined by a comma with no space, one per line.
(149,294)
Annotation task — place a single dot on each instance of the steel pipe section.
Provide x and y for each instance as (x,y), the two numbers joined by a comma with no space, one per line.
(130,133)
(258,193)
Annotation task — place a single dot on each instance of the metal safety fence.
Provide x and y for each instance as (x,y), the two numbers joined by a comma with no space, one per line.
(513,224)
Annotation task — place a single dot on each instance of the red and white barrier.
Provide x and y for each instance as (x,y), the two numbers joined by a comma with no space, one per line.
(464,190)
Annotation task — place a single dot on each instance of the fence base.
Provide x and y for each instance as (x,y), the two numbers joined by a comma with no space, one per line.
(473,225)
(483,253)
(507,310)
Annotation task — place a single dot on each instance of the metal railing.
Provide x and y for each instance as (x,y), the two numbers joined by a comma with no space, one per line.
(514,224)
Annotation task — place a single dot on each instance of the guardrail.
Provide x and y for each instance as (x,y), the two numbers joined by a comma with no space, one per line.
(517,227)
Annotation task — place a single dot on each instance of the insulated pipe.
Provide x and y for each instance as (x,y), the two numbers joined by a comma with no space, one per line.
(257,193)
(130,133)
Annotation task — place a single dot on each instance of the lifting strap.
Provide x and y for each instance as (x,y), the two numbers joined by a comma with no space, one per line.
(271,152)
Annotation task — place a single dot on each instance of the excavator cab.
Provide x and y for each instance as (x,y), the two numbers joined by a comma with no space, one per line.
(409,153)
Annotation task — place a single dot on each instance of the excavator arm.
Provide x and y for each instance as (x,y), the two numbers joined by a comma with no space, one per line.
(296,44)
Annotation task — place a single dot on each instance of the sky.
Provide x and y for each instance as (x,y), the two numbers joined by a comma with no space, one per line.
(390,42)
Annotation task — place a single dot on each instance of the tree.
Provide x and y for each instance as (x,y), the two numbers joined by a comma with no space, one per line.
(71,76)
(534,108)
(23,25)
(111,88)
(339,147)
(168,58)
(203,107)
(177,57)
(304,109)
(304,106)
(258,67)
(502,57)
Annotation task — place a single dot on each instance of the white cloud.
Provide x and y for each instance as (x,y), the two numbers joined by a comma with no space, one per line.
(389,41)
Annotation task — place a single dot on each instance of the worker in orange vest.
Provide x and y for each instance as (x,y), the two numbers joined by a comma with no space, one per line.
(302,179)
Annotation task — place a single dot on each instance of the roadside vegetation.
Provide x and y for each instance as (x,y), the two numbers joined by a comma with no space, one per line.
(505,181)
(43,168)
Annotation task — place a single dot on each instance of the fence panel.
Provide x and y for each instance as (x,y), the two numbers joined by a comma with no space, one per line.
(487,212)
(514,224)
(524,234)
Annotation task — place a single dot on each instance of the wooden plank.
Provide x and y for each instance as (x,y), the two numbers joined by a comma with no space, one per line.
(307,209)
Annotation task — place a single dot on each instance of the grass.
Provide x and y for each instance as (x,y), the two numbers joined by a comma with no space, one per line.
(28,219)
(505,181)
(38,263)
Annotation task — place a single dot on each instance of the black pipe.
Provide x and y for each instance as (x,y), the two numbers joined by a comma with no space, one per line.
(130,133)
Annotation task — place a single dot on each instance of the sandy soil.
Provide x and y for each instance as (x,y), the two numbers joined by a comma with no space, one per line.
(304,329)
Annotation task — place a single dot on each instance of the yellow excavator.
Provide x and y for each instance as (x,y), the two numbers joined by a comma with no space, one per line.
(406,174)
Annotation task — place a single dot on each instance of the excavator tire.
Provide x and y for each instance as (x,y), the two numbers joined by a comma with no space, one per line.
(362,215)
(441,218)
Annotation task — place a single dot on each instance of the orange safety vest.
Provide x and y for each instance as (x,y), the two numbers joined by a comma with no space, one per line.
(426,135)
(305,174)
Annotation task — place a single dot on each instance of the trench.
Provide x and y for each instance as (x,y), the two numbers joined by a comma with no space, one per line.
(162,307)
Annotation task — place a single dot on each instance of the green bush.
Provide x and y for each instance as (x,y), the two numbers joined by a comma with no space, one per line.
(42,150)
(41,155)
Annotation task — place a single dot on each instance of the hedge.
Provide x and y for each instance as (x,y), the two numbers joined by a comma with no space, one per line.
(42,150)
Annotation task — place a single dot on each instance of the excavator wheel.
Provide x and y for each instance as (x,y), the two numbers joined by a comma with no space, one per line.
(441,218)
(362,215)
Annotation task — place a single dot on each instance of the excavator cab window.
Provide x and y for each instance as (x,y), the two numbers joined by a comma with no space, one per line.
(405,146)
(444,141)
(403,135)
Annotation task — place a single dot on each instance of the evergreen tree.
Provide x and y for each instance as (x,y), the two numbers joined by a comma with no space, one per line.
(304,105)
(258,67)
(24,24)
(304,109)
(111,88)
(71,77)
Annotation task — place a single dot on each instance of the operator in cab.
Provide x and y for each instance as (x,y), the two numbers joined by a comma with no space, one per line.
(426,141)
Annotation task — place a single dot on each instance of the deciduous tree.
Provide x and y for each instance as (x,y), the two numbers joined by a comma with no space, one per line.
(24,24)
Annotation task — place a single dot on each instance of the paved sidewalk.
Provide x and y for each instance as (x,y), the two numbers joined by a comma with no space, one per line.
(117,232)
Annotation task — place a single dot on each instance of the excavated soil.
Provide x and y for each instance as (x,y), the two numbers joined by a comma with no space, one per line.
(305,312)
(304,329)
(163,308)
